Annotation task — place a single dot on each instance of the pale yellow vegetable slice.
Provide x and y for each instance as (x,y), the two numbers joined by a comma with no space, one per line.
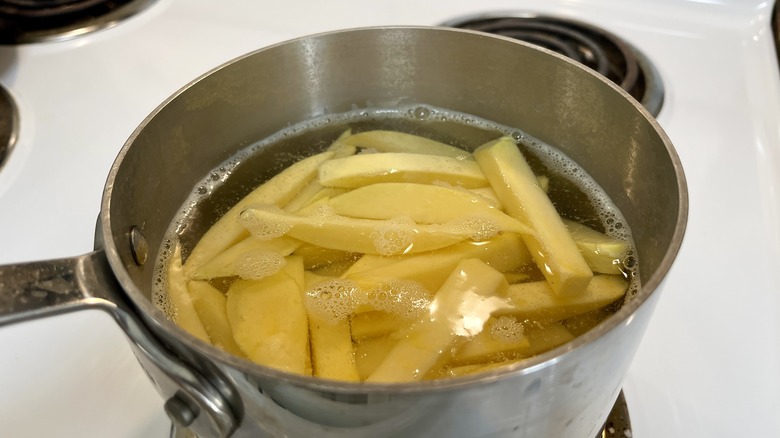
(552,246)
(277,191)
(367,236)
(269,320)
(369,262)
(580,324)
(369,353)
(394,141)
(546,338)
(211,307)
(603,254)
(374,324)
(311,194)
(536,300)
(460,309)
(312,191)
(535,341)
(342,148)
(315,257)
(332,353)
(183,310)
(422,203)
(504,253)
(502,339)
(465,370)
(294,268)
(335,269)
(521,276)
(240,258)
(488,195)
(363,169)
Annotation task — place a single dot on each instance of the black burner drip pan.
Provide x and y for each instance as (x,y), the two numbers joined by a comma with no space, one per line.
(589,45)
(9,124)
(30,21)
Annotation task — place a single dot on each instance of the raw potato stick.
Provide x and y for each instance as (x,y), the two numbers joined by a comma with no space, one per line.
(183,310)
(210,305)
(422,203)
(536,301)
(278,190)
(367,236)
(362,169)
(552,247)
(269,320)
(333,356)
(394,141)
(604,254)
(228,262)
(504,253)
(460,309)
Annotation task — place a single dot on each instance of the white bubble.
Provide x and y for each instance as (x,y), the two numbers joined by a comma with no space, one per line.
(393,237)
(255,265)
(506,329)
(332,299)
(405,298)
(478,228)
(263,227)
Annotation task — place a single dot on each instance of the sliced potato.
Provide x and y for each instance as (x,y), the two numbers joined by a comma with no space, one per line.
(315,257)
(580,324)
(211,307)
(492,345)
(603,254)
(536,301)
(546,338)
(276,191)
(363,169)
(504,253)
(465,370)
(394,141)
(342,148)
(230,261)
(374,324)
(369,353)
(269,320)
(303,198)
(552,246)
(183,310)
(422,203)
(459,310)
(332,353)
(367,236)
(368,262)
(311,194)
(488,195)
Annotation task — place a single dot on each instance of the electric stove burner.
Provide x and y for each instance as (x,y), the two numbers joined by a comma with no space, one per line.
(594,47)
(618,422)
(9,124)
(30,21)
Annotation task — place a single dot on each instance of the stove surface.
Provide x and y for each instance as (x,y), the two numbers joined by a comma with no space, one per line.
(709,365)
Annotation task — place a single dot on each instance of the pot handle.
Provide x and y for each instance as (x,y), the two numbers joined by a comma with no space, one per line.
(45,288)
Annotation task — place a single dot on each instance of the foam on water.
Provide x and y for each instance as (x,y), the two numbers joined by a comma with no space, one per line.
(255,265)
(391,239)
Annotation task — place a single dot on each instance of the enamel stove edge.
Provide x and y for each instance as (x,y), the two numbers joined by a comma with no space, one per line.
(709,365)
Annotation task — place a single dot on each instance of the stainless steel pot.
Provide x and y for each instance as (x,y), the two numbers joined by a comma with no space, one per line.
(566,392)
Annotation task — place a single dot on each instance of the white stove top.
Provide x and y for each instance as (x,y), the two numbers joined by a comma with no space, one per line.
(709,365)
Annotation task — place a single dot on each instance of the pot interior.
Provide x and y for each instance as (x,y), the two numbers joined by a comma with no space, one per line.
(262,93)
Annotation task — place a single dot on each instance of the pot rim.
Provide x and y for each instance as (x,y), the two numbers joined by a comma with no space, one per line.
(523,367)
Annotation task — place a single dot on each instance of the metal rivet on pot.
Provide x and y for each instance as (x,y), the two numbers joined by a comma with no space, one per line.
(179,411)
(138,246)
